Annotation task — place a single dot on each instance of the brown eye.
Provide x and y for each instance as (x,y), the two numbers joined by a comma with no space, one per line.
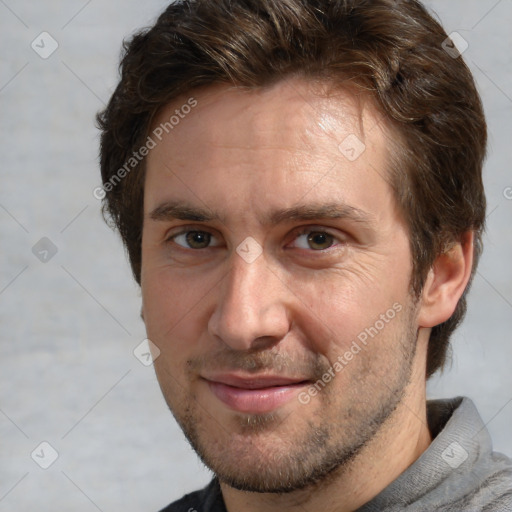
(193,239)
(198,239)
(320,240)
(316,240)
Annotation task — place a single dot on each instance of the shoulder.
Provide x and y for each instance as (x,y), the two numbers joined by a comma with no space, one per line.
(494,494)
(208,499)
(478,478)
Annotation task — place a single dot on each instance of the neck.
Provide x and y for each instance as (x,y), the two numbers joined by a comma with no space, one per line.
(401,440)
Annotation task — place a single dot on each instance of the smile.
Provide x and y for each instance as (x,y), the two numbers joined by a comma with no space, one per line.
(255,395)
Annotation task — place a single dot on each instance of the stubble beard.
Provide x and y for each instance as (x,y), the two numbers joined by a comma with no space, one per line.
(327,445)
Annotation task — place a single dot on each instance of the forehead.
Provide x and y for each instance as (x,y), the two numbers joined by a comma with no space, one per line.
(279,142)
(297,109)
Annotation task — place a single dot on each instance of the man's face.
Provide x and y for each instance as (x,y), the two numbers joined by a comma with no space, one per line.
(256,333)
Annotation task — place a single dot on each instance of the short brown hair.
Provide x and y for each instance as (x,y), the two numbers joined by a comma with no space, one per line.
(391,49)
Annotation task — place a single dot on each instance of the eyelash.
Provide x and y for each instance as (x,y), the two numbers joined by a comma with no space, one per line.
(297,234)
(309,230)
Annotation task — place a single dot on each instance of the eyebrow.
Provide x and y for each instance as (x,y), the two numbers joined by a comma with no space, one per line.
(179,210)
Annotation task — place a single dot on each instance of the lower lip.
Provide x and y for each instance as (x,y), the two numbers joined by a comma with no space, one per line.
(254,400)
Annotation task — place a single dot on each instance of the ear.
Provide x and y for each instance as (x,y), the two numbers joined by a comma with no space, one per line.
(446,282)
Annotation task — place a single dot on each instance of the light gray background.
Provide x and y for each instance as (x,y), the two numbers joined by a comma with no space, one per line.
(69,326)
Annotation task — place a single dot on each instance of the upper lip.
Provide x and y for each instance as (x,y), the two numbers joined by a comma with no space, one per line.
(253,381)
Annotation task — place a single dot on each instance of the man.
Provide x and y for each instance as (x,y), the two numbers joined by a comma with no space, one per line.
(298,185)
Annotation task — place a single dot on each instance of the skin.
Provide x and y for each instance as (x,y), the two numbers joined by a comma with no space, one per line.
(299,305)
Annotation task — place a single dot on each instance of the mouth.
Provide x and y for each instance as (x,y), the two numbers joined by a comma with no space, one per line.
(254,394)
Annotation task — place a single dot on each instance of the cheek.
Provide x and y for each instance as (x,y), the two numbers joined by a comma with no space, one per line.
(168,307)
(177,305)
(339,309)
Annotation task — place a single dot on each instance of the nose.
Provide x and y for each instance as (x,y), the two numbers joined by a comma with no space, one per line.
(251,308)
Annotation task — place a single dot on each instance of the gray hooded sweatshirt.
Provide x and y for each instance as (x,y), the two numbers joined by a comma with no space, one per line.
(458,472)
